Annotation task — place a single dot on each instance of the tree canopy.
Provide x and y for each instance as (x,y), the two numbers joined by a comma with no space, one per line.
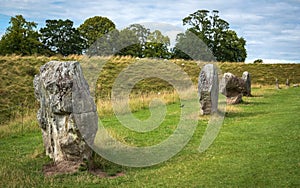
(94,28)
(21,38)
(207,38)
(157,45)
(215,33)
(61,37)
(190,46)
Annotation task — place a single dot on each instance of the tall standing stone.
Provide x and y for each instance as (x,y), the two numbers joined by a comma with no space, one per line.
(208,89)
(247,79)
(67,115)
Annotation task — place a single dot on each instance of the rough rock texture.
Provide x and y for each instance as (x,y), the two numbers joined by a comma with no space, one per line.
(67,115)
(208,89)
(247,79)
(233,88)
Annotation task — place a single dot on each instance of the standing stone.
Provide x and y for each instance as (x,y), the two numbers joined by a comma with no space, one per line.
(67,115)
(208,89)
(287,83)
(233,88)
(247,79)
(277,84)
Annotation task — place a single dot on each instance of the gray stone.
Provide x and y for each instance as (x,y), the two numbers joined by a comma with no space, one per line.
(287,83)
(208,89)
(277,84)
(67,115)
(233,88)
(247,79)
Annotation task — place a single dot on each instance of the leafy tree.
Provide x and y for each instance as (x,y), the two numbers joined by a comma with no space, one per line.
(61,37)
(107,45)
(135,40)
(21,38)
(215,33)
(129,43)
(142,34)
(140,31)
(189,46)
(231,48)
(123,43)
(157,45)
(200,24)
(94,28)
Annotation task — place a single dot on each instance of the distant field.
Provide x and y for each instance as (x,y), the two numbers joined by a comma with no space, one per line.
(258,146)
(16,76)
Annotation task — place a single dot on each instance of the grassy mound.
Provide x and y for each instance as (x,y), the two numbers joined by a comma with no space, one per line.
(17,73)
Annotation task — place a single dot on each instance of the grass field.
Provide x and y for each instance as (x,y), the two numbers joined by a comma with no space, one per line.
(258,146)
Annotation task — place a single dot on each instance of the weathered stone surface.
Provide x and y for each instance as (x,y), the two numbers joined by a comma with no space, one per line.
(234,100)
(233,88)
(208,89)
(247,79)
(67,115)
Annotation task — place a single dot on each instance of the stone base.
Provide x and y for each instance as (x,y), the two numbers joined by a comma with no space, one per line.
(234,100)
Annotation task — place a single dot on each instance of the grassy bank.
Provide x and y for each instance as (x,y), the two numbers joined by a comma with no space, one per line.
(17,73)
(258,146)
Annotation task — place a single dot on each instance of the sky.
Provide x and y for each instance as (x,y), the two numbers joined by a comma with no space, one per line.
(270,27)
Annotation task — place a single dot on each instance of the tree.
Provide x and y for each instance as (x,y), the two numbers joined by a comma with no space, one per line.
(215,33)
(128,43)
(105,46)
(231,48)
(61,37)
(200,24)
(94,28)
(189,46)
(21,38)
(135,40)
(123,43)
(142,34)
(157,45)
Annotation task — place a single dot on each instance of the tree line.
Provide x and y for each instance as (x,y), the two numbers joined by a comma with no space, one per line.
(98,36)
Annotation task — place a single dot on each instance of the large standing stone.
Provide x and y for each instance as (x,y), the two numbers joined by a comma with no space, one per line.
(233,88)
(247,79)
(208,89)
(67,115)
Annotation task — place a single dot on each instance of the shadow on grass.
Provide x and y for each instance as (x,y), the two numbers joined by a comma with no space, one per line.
(256,96)
(254,103)
(243,114)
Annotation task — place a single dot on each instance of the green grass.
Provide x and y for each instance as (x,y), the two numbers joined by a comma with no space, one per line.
(258,146)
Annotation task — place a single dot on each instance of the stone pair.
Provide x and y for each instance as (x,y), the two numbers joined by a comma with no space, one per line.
(231,86)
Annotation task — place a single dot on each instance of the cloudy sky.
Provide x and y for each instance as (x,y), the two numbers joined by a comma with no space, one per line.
(270,27)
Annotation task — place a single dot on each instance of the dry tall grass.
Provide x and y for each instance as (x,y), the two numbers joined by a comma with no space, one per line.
(136,102)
